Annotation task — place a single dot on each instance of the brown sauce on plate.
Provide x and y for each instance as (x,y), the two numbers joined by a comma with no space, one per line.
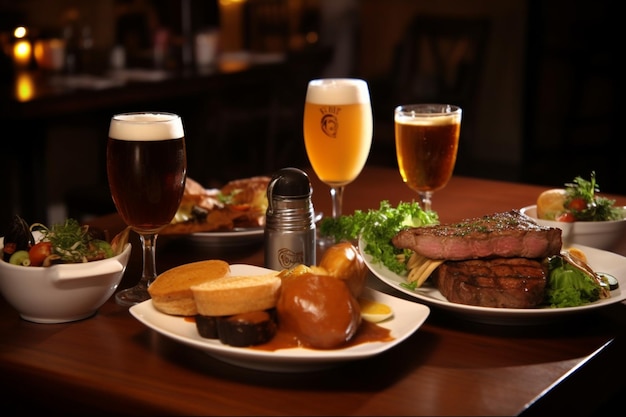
(367,332)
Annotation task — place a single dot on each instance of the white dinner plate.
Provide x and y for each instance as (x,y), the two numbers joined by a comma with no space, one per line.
(407,318)
(599,260)
(235,237)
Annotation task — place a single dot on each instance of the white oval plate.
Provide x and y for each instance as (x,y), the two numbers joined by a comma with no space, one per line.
(599,260)
(407,318)
(234,237)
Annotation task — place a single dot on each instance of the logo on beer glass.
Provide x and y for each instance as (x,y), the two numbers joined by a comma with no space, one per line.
(330,125)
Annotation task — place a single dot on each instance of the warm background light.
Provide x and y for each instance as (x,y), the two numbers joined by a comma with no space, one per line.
(21,48)
(20,32)
(21,53)
(25,86)
(231,18)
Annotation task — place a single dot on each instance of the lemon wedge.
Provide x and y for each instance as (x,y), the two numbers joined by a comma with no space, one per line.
(374,311)
(578,253)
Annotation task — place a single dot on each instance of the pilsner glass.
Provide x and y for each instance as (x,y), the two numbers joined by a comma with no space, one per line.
(146,168)
(427,140)
(337,132)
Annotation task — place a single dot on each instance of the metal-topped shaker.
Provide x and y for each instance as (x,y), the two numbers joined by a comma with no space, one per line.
(289,221)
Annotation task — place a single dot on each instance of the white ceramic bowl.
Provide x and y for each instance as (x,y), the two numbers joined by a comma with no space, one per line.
(602,235)
(64,292)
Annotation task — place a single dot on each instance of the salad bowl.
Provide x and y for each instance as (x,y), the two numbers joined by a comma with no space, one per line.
(63,292)
(596,234)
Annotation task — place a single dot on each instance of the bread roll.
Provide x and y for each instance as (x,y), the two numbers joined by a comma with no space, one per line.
(171,291)
(237,294)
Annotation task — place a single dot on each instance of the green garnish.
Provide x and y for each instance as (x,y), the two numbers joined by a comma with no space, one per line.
(377,228)
(227,198)
(596,208)
(73,243)
(568,286)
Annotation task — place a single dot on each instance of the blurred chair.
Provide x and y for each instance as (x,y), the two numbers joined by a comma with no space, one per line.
(438,59)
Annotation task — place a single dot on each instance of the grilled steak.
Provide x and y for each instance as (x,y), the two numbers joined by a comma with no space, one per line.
(501,282)
(508,235)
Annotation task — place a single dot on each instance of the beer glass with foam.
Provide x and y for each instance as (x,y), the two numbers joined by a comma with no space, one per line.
(427,140)
(337,132)
(146,169)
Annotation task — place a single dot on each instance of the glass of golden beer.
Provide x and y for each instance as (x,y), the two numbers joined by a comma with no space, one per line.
(146,169)
(337,132)
(427,140)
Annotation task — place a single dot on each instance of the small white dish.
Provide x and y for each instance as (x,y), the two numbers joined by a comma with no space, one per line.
(64,292)
(408,317)
(599,260)
(601,235)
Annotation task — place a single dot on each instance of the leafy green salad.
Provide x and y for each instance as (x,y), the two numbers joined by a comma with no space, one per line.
(377,227)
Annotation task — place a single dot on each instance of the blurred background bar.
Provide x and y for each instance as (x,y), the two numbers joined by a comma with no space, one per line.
(537,81)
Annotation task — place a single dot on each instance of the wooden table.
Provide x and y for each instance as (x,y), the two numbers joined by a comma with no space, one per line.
(449,366)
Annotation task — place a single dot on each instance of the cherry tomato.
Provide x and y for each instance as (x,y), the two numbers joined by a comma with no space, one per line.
(38,252)
(565,217)
(577,204)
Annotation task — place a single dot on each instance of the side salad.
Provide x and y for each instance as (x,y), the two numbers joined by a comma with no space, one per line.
(578,201)
(571,283)
(67,242)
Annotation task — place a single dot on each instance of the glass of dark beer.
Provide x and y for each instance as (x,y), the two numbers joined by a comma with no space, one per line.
(427,140)
(146,169)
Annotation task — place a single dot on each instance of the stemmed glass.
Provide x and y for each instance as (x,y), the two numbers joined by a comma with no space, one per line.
(427,140)
(337,132)
(146,168)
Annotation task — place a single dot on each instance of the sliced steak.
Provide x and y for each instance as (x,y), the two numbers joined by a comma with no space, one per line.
(499,282)
(509,234)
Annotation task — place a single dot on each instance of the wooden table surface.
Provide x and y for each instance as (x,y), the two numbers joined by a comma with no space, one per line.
(111,363)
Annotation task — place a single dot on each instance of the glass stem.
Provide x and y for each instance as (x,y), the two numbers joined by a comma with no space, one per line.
(148,244)
(426,197)
(336,194)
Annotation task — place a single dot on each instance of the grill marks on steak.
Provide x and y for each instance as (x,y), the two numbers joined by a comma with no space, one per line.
(502,282)
(508,235)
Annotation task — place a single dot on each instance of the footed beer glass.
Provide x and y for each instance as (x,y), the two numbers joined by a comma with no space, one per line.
(146,168)
(427,140)
(337,132)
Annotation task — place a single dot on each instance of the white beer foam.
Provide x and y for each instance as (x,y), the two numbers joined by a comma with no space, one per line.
(336,91)
(146,126)
(428,119)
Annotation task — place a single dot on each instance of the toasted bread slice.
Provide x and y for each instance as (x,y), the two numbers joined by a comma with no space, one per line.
(237,294)
(171,291)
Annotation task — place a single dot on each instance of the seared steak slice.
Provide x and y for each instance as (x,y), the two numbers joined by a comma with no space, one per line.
(500,282)
(510,234)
